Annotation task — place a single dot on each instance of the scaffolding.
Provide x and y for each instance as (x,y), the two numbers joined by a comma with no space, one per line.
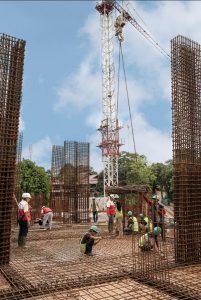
(186,118)
(70,182)
(11,70)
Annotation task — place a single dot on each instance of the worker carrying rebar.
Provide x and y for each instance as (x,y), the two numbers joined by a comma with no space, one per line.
(46,216)
(89,239)
(119,24)
(132,226)
(24,218)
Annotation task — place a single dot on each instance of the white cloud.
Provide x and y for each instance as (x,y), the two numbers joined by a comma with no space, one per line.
(149,75)
(21,125)
(155,144)
(39,152)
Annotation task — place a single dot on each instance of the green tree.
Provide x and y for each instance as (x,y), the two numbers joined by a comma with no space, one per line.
(134,169)
(34,179)
(163,174)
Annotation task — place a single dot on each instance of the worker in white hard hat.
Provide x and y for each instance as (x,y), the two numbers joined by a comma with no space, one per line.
(24,218)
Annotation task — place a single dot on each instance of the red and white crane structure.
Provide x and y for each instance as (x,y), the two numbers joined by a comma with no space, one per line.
(109,127)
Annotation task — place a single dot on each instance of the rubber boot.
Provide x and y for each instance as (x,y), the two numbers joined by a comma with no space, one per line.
(24,242)
(20,241)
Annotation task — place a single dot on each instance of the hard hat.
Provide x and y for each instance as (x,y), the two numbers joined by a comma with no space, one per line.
(141,215)
(116,196)
(112,195)
(43,206)
(130,213)
(26,195)
(157,230)
(94,228)
(155,197)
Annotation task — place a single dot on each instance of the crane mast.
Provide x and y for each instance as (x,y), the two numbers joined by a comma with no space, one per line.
(109,127)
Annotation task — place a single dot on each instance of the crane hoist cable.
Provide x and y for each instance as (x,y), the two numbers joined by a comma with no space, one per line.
(137,26)
(121,58)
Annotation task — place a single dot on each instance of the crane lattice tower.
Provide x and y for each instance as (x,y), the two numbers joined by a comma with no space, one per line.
(109,125)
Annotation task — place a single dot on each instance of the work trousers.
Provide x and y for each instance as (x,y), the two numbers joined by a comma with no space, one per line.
(95,216)
(119,226)
(110,223)
(23,228)
(48,217)
(89,245)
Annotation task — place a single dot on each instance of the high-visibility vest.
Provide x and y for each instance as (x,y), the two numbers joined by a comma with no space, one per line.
(135,225)
(118,214)
(22,215)
(149,223)
(144,239)
(111,210)
(46,210)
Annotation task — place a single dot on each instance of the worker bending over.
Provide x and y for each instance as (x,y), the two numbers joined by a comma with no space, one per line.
(132,226)
(88,240)
(147,240)
(47,216)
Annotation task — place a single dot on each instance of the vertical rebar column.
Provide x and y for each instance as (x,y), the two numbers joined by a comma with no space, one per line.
(11,71)
(70,181)
(186,113)
(76,181)
(57,181)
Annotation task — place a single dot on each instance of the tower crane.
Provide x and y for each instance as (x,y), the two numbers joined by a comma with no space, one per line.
(110,127)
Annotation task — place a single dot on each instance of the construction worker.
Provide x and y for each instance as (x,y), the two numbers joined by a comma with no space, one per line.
(119,24)
(157,213)
(89,239)
(111,212)
(132,226)
(94,209)
(47,216)
(145,223)
(24,218)
(146,241)
(119,217)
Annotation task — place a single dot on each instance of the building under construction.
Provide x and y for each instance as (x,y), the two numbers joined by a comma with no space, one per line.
(53,267)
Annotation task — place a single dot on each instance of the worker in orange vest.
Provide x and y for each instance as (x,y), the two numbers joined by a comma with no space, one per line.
(111,212)
(24,218)
(47,216)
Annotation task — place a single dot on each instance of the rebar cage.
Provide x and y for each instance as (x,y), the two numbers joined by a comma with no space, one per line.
(186,118)
(11,70)
(70,182)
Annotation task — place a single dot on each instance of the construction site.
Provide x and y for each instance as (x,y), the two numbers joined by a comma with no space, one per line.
(52,266)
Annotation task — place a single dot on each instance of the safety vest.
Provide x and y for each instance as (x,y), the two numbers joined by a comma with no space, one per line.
(135,225)
(118,214)
(111,210)
(149,223)
(22,215)
(143,240)
(46,210)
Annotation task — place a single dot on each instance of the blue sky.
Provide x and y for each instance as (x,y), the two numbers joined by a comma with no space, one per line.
(62,74)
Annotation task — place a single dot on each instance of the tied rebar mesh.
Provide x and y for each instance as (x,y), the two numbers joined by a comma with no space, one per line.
(11,71)
(186,105)
(70,182)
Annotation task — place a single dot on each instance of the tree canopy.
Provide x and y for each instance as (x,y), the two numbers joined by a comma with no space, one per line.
(34,179)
